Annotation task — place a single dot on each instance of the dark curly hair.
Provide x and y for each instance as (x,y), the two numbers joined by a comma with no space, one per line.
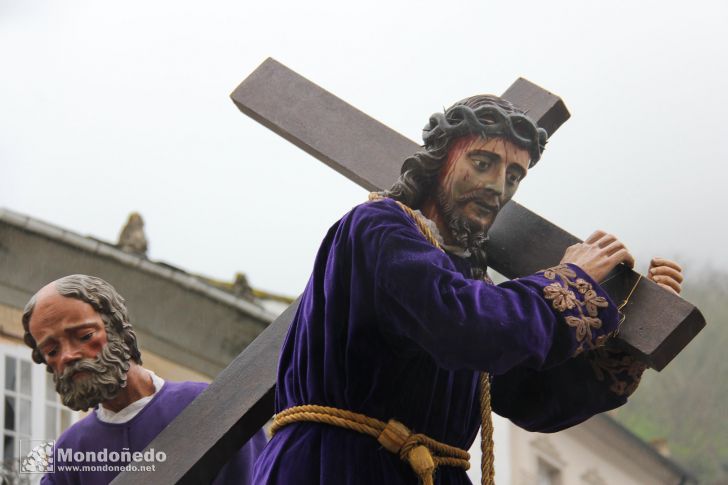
(102,297)
(484,115)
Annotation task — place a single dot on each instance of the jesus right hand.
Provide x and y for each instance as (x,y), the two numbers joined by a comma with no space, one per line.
(598,255)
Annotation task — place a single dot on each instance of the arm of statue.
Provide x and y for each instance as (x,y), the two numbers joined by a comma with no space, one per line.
(596,381)
(537,321)
(565,395)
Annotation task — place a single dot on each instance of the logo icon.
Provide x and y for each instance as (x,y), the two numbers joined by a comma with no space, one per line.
(36,456)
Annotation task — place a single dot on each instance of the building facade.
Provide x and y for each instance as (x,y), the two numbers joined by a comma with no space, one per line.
(599,451)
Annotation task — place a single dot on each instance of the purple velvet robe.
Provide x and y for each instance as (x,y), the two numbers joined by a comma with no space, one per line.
(90,434)
(389,326)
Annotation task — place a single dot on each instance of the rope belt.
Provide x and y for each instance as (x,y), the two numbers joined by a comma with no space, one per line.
(422,452)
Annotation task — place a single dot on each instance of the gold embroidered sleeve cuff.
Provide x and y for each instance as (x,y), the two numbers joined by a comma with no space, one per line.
(618,369)
(582,303)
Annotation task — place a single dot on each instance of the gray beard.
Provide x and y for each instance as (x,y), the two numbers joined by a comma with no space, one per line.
(473,239)
(106,376)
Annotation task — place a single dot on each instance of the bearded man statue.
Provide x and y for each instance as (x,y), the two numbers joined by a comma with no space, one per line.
(78,326)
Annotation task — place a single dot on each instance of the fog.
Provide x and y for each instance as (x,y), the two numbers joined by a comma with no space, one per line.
(108,108)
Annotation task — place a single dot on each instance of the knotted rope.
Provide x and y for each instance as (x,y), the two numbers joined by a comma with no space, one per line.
(423,453)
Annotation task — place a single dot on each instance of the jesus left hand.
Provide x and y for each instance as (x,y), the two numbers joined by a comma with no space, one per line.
(666,273)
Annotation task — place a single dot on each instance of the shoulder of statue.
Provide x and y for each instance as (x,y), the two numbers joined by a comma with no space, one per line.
(379,208)
(187,388)
(415,216)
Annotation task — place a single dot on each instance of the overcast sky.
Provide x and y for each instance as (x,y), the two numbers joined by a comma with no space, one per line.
(113,107)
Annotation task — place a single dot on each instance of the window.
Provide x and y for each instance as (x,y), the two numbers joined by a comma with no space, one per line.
(17,393)
(57,416)
(31,408)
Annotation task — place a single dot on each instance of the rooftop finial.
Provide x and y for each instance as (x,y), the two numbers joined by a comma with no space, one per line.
(132,238)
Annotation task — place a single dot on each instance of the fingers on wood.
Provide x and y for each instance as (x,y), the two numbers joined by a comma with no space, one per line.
(667,271)
(665,262)
(613,247)
(668,284)
(595,236)
(622,256)
(606,240)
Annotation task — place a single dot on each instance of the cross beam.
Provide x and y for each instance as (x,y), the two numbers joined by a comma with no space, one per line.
(658,324)
(208,432)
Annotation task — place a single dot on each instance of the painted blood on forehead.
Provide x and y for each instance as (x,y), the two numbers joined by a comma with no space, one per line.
(457,148)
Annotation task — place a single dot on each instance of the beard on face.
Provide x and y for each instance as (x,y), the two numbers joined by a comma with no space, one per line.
(470,236)
(105,376)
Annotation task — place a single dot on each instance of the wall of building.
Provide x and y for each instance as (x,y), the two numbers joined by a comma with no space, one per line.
(11,326)
(594,453)
(174,313)
(11,332)
(597,452)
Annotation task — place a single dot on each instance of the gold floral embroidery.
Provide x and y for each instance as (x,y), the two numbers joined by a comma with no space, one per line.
(563,298)
(592,302)
(623,370)
(583,326)
(582,286)
(561,270)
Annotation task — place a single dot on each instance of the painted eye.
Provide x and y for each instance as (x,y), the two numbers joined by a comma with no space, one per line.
(52,352)
(481,164)
(87,336)
(513,178)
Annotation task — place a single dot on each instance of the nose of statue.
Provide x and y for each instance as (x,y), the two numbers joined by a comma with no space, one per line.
(496,184)
(69,355)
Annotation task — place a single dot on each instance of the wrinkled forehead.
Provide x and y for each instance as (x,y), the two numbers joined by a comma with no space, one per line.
(52,308)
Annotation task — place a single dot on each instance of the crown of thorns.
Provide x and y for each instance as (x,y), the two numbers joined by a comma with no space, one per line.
(486,120)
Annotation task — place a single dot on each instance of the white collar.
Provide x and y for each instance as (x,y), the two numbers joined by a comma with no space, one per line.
(126,414)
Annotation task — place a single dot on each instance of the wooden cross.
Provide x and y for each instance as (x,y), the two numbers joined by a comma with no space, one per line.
(207,433)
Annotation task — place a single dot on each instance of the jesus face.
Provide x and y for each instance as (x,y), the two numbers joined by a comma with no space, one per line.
(478,178)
